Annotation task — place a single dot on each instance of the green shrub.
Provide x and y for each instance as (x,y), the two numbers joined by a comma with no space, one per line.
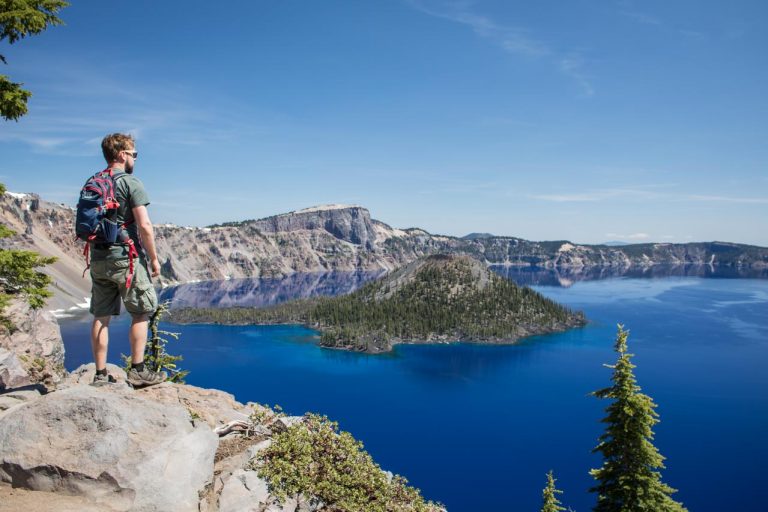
(315,459)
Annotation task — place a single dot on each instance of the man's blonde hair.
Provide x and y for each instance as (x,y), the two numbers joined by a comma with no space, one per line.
(114,143)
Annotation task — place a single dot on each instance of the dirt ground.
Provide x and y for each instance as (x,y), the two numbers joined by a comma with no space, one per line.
(22,500)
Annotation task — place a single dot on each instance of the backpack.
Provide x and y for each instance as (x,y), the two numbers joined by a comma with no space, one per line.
(96,217)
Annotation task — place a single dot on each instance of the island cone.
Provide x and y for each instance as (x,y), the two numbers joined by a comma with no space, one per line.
(436,299)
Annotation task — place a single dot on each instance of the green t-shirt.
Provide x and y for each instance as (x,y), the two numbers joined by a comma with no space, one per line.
(130,193)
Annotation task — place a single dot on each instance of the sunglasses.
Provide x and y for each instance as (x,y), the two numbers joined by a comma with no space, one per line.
(134,154)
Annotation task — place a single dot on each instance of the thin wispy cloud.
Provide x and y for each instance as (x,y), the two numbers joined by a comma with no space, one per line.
(512,39)
(72,113)
(574,68)
(58,128)
(600,195)
(515,40)
(569,198)
(650,192)
(627,9)
(640,17)
(726,199)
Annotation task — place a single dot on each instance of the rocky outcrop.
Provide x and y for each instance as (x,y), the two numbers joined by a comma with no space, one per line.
(348,223)
(240,489)
(12,372)
(113,448)
(110,446)
(211,406)
(329,238)
(36,342)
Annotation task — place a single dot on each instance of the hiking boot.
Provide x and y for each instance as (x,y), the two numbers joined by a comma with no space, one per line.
(102,380)
(144,378)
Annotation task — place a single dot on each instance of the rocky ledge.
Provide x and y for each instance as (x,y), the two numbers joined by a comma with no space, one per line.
(169,447)
(113,448)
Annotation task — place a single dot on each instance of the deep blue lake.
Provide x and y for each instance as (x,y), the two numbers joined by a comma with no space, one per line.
(477,427)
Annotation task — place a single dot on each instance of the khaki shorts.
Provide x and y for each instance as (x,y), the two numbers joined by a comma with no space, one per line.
(108,278)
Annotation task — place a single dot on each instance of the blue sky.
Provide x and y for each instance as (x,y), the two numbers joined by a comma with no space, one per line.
(582,120)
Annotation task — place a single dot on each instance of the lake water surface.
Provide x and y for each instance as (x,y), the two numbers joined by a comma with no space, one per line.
(477,427)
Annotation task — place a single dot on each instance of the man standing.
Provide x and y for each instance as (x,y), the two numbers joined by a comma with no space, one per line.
(111,263)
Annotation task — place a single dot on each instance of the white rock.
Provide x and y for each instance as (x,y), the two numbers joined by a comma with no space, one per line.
(258,447)
(12,372)
(6,402)
(24,394)
(244,491)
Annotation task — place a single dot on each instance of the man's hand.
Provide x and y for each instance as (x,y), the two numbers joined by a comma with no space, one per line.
(155,264)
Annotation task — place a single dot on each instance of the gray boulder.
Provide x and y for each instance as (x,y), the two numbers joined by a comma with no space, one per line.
(110,446)
(244,491)
(18,396)
(241,489)
(12,372)
(36,340)
(212,406)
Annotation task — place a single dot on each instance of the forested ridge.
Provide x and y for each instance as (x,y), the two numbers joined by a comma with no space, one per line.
(438,298)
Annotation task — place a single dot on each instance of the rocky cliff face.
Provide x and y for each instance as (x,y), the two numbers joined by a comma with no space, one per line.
(350,224)
(265,292)
(328,238)
(34,346)
(48,228)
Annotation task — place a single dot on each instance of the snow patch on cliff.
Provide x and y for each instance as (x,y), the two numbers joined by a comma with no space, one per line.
(16,195)
(384,231)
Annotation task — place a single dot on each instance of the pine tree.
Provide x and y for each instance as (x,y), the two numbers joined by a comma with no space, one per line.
(20,19)
(549,495)
(629,480)
(156,354)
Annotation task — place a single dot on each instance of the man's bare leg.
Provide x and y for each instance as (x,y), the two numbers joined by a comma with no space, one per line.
(100,341)
(137,336)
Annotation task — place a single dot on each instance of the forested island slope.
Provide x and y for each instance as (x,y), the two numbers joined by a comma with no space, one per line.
(440,298)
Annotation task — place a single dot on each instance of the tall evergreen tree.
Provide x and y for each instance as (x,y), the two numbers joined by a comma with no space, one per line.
(629,480)
(549,496)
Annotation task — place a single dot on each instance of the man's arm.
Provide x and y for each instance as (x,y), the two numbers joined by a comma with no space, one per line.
(147,234)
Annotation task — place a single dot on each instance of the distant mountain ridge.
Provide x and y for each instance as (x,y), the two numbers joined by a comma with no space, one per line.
(331,238)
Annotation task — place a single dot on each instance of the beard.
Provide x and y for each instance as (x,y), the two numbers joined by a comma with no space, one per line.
(128,167)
